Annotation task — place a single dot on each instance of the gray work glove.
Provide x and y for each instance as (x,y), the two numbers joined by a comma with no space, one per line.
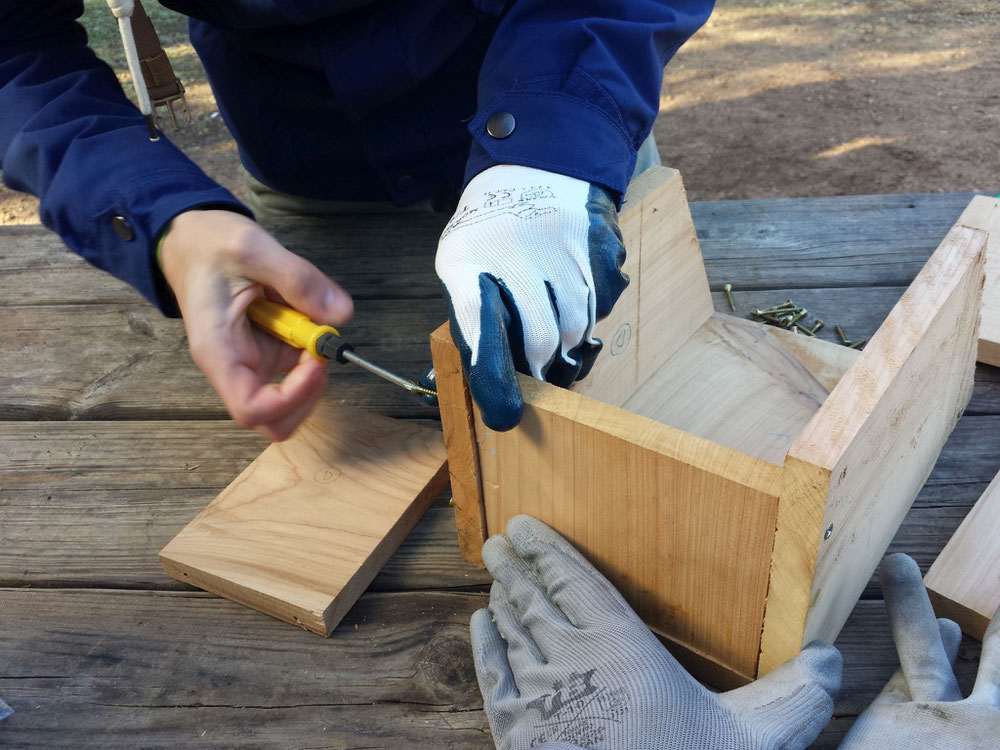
(563,662)
(921,706)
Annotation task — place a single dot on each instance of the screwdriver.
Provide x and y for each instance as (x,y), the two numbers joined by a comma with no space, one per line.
(321,341)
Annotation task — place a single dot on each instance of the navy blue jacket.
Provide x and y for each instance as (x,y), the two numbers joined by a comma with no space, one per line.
(340,99)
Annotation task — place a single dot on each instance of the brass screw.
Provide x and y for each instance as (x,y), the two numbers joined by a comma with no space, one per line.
(799,315)
(857,344)
(728,289)
(451,502)
(811,331)
(803,330)
(770,319)
(776,309)
(841,334)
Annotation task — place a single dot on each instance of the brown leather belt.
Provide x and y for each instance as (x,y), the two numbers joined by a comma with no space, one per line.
(165,88)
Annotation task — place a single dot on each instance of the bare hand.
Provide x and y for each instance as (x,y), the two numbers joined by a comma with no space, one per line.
(216,263)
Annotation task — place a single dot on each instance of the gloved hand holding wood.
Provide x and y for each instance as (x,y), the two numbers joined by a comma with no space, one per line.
(921,706)
(563,662)
(530,261)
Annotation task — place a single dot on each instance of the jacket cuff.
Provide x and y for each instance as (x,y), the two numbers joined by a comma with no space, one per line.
(141,211)
(556,132)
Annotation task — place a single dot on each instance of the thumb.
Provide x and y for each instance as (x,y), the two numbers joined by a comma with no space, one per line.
(794,702)
(301,284)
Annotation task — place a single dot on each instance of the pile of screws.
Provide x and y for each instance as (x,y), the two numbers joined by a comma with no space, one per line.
(789,316)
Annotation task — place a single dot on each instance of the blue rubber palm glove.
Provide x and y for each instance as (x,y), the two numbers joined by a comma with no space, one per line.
(530,261)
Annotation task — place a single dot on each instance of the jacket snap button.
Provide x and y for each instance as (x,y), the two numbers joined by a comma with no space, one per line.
(501,124)
(122,228)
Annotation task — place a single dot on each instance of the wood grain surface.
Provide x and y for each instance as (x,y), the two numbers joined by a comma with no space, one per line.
(455,405)
(964,581)
(636,497)
(740,383)
(860,462)
(984,213)
(304,529)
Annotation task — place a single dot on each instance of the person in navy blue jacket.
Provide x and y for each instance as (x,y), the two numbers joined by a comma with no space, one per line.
(531,111)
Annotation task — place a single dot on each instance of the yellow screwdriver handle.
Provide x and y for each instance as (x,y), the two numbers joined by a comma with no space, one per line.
(289,325)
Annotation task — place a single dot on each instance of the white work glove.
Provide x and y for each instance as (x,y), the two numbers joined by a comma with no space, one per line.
(921,706)
(530,260)
(564,662)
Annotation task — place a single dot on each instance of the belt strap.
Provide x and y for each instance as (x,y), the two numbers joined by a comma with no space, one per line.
(165,88)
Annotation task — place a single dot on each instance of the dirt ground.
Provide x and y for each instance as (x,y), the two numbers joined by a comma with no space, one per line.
(770,99)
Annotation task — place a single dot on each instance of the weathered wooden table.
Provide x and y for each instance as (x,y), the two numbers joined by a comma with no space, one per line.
(111,441)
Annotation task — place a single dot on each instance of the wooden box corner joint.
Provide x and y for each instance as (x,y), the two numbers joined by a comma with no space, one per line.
(738,483)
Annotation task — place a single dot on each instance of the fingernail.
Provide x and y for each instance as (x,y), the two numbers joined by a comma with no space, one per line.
(337,305)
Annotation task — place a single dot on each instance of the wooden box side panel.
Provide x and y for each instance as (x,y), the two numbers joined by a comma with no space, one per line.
(860,462)
(984,213)
(455,404)
(683,527)
(737,383)
(667,298)
(964,581)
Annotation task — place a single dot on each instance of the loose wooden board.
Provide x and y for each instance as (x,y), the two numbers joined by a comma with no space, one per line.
(984,213)
(964,581)
(306,527)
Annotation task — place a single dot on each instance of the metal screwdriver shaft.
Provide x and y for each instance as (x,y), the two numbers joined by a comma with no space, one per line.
(392,377)
(297,330)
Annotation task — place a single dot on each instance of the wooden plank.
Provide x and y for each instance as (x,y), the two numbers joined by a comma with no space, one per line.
(667,298)
(861,461)
(155,670)
(674,298)
(41,457)
(118,533)
(638,498)
(826,361)
(110,376)
(354,250)
(965,468)
(455,403)
(855,240)
(127,345)
(115,353)
(984,213)
(837,241)
(306,527)
(737,383)
(68,493)
(964,581)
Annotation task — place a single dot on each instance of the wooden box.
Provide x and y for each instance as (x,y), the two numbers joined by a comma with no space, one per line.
(738,483)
